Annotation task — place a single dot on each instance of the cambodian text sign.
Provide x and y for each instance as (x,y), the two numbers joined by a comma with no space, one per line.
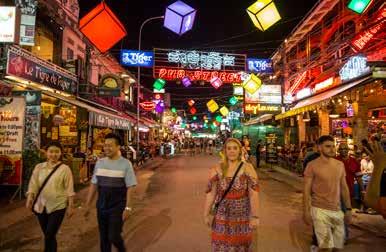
(259,65)
(23,64)
(136,58)
(197,65)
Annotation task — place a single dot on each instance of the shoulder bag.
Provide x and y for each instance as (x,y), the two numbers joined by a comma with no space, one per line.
(216,205)
(43,185)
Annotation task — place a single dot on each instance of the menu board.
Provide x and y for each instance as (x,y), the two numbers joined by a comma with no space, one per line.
(12,115)
(271,149)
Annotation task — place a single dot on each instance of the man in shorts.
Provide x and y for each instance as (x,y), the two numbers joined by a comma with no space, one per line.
(324,187)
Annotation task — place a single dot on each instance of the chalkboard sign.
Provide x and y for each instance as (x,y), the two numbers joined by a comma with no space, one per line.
(271,149)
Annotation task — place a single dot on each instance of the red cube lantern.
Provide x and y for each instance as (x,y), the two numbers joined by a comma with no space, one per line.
(193,110)
(191,102)
(102,27)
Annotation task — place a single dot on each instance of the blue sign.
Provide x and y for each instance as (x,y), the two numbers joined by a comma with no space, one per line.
(260,65)
(137,58)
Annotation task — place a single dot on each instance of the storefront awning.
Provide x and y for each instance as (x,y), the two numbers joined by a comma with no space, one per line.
(259,119)
(98,117)
(311,102)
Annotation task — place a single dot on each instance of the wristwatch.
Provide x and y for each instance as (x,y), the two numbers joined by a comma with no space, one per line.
(128,209)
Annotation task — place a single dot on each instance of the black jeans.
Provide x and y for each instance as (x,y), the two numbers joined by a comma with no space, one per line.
(110,229)
(50,224)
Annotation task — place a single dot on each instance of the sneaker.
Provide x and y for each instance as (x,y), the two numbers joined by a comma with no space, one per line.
(314,248)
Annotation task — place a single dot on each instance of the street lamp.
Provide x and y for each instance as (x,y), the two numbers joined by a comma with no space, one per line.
(139,75)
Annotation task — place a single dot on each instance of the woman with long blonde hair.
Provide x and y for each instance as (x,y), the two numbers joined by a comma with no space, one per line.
(233,200)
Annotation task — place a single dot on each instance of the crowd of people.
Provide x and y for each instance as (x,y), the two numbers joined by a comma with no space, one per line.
(232,196)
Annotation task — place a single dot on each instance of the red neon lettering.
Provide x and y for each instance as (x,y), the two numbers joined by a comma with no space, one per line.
(162,73)
(180,74)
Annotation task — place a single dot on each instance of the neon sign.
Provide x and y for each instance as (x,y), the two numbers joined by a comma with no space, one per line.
(363,38)
(173,74)
(204,60)
(324,84)
(354,67)
(147,106)
(305,92)
(256,108)
(198,65)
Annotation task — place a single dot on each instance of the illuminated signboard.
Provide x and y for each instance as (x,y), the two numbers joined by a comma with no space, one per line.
(255,109)
(303,93)
(8,20)
(266,94)
(177,64)
(354,67)
(136,58)
(324,84)
(238,90)
(260,65)
(364,37)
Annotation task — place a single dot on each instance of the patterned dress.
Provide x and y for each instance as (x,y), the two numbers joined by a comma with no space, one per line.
(230,228)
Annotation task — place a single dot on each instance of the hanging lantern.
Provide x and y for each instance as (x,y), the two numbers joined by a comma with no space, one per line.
(205,126)
(216,82)
(179,17)
(219,118)
(359,6)
(183,125)
(206,121)
(174,110)
(103,38)
(193,110)
(212,106)
(224,111)
(233,100)
(263,14)
(186,82)
(159,84)
(194,118)
(159,108)
(252,84)
(191,102)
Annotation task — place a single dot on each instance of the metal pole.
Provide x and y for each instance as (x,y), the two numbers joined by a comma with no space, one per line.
(139,76)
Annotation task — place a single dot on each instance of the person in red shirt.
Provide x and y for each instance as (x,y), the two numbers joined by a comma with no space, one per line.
(352,166)
(353,171)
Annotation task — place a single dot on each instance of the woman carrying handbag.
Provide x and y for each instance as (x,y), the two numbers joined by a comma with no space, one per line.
(50,194)
(233,200)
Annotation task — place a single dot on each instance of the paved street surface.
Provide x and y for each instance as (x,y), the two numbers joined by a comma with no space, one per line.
(169,205)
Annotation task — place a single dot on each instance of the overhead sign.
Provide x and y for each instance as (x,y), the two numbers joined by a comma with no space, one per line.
(23,64)
(197,65)
(110,85)
(114,122)
(354,67)
(256,109)
(9,24)
(27,21)
(259,65)
(303,93)
(136,58)
(324,84)
(364,37)
(267,94)
(12,118)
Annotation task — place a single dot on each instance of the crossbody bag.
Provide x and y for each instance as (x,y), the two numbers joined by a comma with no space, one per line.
(216,205)
(43,185)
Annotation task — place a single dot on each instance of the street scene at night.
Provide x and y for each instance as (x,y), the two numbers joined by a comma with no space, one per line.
(192,125)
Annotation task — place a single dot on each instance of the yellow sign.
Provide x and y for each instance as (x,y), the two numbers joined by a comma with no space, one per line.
(256,108)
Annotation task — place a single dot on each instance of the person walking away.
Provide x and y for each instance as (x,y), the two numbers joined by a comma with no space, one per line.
(324,187)
(233,199)
(114,180)
(311,154)
(258,149)
(51,194)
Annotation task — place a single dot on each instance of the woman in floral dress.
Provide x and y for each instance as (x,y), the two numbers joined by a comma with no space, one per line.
(237,215)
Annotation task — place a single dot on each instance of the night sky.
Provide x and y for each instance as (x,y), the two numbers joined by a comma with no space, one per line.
(216,23)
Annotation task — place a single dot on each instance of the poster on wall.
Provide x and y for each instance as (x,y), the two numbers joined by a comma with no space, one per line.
(32,120)
(12,111)
(9,20)
(27,21)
